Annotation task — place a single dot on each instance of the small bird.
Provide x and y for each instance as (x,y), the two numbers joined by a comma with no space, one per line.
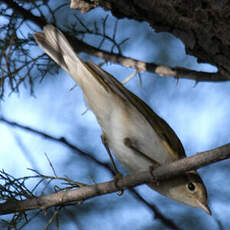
(135,134)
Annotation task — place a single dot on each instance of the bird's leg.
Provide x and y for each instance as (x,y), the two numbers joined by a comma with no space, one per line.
(105,143)
(118,175)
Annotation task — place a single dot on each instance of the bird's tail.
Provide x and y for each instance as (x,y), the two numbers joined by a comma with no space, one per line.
(89,77)
(54,43)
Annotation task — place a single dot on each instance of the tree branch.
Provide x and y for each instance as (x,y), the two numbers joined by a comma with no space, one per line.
(158,215)
(198,76)
(140,66)
(164,172)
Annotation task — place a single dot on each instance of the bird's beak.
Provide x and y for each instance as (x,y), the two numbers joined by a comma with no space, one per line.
(204,207)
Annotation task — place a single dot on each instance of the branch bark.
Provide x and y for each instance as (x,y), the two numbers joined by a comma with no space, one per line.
(84,193)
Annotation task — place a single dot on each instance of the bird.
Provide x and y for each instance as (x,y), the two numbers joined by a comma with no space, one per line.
(131,130)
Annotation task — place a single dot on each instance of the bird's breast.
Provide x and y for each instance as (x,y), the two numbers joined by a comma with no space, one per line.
(127,122)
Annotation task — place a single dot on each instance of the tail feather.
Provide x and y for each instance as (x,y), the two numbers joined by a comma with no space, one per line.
(58,41)
(54,43)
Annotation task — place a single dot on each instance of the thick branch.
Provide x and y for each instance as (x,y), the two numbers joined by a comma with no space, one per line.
(161,173)
(140,66)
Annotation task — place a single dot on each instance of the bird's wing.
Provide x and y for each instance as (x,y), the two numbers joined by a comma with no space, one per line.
(167,135)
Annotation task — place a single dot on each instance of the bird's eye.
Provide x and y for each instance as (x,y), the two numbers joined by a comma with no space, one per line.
(191,187)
